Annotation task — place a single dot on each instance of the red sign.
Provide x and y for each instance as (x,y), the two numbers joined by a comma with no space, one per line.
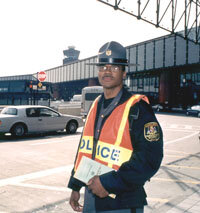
(42,76)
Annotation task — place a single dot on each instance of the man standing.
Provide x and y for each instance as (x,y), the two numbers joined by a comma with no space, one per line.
(122,133)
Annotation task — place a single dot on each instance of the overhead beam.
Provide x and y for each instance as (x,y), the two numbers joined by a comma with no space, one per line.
(174,16)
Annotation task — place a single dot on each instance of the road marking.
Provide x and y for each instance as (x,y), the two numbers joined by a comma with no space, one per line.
(157,200)
(179,130)
(174,156)
(176,180)
(173,126)
(188,127)
(178,126)
(179,166)
(180,139)
(55,141)
(170,150)
(38,186)
(35,175)
(65,189)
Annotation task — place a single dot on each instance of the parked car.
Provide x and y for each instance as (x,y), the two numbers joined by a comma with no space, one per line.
(24,119)
(76,99)
(194,110)
(157,107)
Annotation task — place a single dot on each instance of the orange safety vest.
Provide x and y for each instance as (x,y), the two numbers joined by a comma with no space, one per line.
(114,146)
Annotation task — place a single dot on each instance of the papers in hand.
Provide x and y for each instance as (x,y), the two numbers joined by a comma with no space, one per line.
(88,168)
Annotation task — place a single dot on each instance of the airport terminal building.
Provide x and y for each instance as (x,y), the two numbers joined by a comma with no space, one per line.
(168,73)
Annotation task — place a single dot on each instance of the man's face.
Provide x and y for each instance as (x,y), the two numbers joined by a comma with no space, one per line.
(111,76)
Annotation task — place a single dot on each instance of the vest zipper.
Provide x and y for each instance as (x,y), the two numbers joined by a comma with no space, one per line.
(94,148)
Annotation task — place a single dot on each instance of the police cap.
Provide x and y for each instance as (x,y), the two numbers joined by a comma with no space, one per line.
(112,53)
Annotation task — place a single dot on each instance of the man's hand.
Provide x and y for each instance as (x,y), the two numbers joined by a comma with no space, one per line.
(96,187)
(73,201)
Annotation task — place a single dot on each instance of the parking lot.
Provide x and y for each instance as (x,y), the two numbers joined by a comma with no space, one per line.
(35,169)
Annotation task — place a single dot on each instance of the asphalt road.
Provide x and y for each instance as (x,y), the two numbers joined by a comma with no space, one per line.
(34,170)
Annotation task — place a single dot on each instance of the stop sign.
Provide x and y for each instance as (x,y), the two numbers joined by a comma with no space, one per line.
(42,76)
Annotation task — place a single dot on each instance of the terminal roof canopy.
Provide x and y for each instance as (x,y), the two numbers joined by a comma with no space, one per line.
(177,17)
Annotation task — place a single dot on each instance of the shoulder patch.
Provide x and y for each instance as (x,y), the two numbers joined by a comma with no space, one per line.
(151,131)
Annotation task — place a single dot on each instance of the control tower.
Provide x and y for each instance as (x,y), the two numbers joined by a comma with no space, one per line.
(71,55)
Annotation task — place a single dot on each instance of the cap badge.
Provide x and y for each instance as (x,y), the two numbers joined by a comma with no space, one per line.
(108,52)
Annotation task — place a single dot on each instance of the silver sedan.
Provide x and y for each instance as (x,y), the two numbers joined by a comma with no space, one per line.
(24,119)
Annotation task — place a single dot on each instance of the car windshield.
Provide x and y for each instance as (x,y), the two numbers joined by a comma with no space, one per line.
(9,111)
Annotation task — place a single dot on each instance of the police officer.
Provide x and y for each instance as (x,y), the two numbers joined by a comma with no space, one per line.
(122,133)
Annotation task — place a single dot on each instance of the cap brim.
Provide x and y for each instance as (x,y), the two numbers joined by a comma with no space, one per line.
(122,64)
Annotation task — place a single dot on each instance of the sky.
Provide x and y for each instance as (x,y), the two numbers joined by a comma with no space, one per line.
(34,33)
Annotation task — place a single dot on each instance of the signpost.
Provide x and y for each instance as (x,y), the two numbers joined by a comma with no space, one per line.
(42,76)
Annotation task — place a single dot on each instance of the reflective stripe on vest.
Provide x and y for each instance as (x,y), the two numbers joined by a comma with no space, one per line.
(87,136)
(114,146)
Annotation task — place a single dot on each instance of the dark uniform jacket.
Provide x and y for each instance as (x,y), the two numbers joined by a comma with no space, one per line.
(127,183)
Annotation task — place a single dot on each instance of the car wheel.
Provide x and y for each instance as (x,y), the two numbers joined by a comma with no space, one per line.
(71,127)
(198,115)
(18,130)
(187,113)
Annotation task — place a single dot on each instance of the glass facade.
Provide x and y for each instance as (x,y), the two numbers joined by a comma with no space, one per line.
(193,52)
(18,92)
(19,77)
(159,53)
(181,48)
(168,51)
(149,55)
(132,58)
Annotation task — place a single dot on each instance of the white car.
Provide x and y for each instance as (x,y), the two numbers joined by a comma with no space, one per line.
(24,119)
